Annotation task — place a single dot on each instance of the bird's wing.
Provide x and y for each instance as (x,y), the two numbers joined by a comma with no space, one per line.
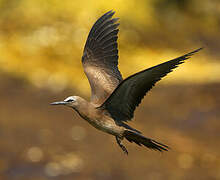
(100,58)
(129,93)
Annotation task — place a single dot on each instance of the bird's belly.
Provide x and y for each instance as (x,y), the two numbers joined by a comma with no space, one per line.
(107,126)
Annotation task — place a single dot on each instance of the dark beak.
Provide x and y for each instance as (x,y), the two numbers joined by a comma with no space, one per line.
(59,103)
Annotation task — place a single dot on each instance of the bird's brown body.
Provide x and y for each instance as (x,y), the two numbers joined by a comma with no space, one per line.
(114,100)
(98,118)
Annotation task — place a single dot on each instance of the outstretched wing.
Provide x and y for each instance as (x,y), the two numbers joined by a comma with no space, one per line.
(100,58)
(129,93)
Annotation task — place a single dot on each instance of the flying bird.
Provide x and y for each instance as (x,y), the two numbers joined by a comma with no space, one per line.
(114,99)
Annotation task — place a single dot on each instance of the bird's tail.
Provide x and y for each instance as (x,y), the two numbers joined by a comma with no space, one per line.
(139,139)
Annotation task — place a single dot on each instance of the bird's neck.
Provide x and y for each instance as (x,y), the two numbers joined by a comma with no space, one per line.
(85,108)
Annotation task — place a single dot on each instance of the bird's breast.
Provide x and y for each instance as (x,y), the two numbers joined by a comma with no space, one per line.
(100,120)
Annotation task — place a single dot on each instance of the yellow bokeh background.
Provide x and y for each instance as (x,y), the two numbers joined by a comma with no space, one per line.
(42,41)
(41,44)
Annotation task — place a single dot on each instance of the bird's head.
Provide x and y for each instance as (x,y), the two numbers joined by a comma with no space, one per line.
(71,101)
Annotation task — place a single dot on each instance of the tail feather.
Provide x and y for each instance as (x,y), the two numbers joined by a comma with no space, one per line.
(141,140)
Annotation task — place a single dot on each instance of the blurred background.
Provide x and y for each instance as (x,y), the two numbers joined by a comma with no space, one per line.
(41,45)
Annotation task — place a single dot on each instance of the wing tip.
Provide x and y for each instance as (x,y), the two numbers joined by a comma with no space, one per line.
(111,13)
(193,52)
(112,10)
(197,50)
(187,56)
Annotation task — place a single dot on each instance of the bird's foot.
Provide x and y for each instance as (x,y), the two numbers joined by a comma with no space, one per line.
(121,145)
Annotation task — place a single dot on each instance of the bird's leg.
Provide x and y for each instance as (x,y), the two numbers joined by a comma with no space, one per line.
(121,145)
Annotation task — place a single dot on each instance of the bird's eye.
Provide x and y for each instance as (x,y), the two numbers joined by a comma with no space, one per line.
(69,100)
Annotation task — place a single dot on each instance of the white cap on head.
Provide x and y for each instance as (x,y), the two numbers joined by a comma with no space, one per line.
(70,98)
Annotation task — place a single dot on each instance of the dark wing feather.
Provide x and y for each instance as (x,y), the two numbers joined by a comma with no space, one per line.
(100,58)
(129,93)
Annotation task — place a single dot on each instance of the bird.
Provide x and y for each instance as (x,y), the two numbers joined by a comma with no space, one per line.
(114,99)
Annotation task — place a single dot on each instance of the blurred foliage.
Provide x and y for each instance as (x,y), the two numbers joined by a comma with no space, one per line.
(42,40)
(41,43)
